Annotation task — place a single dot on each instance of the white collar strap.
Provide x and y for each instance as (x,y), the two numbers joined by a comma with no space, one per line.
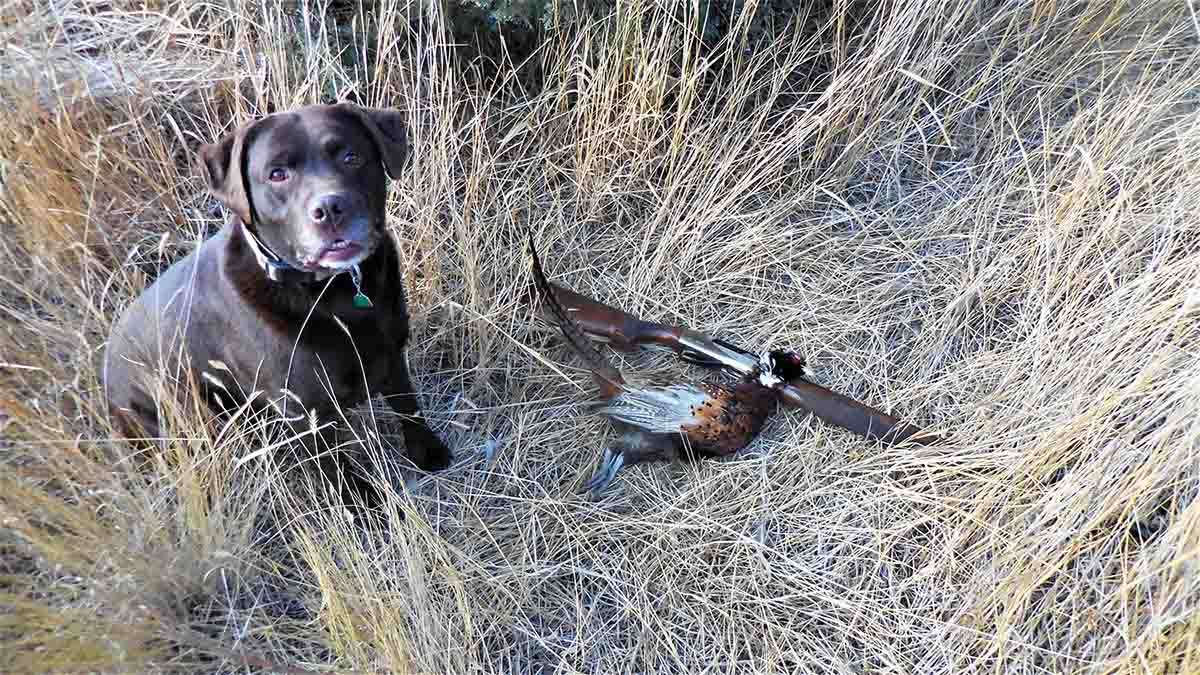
(275,268)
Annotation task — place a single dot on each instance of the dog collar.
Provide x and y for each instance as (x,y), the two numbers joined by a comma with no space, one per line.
(281,272)
(274,266)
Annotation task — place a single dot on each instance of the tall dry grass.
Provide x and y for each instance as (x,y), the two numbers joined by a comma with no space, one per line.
(980,215)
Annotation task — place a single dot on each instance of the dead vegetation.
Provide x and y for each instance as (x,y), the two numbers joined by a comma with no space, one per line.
(981,215)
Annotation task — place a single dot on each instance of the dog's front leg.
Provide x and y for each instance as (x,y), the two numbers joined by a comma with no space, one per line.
(425,449)
(350,474)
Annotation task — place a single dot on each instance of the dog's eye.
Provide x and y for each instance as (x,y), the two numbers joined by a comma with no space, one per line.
(278,175)
(350,157)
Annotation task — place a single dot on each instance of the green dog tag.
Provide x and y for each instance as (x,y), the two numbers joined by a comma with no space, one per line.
(361,301)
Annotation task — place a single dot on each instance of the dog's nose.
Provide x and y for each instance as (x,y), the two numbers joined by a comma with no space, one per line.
(328,210)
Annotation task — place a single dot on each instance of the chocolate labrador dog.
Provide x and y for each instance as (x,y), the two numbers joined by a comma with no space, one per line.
(298,296)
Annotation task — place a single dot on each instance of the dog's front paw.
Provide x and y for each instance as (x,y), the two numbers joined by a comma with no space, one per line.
(426,450)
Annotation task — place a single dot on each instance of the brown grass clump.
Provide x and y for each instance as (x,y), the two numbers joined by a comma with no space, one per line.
(981,215)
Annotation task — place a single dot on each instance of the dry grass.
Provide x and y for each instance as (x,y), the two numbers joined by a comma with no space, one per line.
(986,218)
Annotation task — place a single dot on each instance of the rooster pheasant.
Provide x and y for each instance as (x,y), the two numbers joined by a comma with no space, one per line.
(670,420)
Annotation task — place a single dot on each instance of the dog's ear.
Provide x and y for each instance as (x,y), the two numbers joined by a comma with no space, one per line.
(387,129)
(223,166)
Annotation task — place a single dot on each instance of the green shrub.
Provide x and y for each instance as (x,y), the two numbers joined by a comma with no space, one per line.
(713,18)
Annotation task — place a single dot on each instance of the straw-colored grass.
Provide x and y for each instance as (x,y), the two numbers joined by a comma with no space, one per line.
(983,216)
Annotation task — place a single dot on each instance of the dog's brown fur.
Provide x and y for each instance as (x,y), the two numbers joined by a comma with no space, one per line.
(218,305)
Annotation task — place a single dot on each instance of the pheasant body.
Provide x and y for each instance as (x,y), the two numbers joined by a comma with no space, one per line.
(670,420)
(712,419)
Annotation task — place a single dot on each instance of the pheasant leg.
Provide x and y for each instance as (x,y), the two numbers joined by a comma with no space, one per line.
(633,446)
(610,464)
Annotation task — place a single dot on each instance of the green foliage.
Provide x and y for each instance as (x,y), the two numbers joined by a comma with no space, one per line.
(521,14)
(713,19)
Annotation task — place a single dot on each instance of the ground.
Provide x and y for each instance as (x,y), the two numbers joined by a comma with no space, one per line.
(980,216)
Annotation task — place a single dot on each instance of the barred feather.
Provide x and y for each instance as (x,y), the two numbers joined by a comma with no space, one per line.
(607,377)
(656,409)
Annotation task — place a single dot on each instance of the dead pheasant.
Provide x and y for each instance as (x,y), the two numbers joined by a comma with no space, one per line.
(670,420)
(627,333)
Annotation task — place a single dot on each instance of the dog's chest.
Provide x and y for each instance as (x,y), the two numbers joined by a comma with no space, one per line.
(324,366)
(346,368)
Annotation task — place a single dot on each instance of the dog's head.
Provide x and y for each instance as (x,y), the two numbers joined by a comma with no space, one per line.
(311,180)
